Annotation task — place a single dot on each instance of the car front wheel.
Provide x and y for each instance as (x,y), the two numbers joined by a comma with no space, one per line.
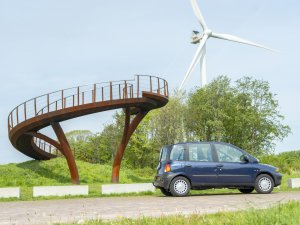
(264,184)
(180,187)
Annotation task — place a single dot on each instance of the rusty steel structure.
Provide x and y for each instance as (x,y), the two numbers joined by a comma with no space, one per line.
(137,97)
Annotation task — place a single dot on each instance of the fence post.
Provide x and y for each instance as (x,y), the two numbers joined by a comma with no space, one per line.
(35,106)
(25,114)
(94,94)
(138,86)
(78,96)
(102,94)
(111,97)
(17,114)
(12,120)
(158,86)
(125,90)
(62,99)
(48,102)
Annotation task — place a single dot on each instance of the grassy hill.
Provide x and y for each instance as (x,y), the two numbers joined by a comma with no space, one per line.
(56,172)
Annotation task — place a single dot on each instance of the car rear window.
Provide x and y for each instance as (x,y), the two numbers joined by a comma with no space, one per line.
(163,154)
(177,153)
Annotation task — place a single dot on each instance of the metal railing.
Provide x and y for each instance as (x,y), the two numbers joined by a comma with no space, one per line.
(82,95)
(45,146)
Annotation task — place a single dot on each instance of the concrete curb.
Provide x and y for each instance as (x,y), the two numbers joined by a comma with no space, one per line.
(127,188)
(10,192)
(60,190)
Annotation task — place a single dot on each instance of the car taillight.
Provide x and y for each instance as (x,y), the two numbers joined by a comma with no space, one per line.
(167,168)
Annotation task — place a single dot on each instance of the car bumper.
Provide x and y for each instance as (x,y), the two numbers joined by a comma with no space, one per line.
(163,180)
(277,179)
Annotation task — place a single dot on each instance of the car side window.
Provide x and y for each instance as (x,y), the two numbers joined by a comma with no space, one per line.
(227,153)
(163,154)
(177,153)
(200,152)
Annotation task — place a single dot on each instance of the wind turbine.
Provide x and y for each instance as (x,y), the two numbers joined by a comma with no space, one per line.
(201,38)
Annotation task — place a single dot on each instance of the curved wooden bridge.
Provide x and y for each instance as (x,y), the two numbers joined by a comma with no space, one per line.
(137,97)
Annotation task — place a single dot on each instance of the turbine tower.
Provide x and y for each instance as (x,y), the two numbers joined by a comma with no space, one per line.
(201,38)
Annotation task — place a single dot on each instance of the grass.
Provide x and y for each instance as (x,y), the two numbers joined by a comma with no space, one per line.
(283,214)
(55,172)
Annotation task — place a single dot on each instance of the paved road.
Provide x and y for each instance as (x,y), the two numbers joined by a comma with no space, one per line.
(74,210)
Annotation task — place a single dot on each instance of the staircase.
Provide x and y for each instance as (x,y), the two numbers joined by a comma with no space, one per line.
(139,95)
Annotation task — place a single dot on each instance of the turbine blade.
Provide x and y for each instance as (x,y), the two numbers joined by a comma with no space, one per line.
(203,67)
(229,37)
(198,14)
(195,60)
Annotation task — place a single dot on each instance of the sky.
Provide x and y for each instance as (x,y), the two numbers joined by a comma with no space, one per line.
(51,45)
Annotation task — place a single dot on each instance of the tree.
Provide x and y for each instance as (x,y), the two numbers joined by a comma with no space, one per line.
(245,114)
(167,124)
(266,119)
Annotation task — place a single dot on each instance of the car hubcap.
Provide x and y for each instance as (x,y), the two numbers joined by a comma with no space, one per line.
(180,186)
(265,184)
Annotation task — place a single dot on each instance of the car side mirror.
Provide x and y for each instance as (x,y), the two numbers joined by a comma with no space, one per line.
(244,158)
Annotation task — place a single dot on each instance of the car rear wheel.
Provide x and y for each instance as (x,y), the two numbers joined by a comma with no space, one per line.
(165,192)
(180,187)
(264,184)
(246,190)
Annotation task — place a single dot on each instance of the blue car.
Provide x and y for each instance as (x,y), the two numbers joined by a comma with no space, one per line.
(206,165)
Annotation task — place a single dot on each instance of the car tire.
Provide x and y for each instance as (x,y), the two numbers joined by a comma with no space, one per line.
(247,190)
(180,187)
(264,184)
(165,192)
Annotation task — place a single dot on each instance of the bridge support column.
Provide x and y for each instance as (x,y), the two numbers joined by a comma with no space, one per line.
(129,129)
(66,151)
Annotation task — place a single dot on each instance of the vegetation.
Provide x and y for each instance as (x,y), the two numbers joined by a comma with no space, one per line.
(244,114)
(287,162)
(288,213)
(56,172)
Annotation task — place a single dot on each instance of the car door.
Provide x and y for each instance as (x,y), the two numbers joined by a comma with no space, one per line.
(200,165)
(177,158)
(232,169)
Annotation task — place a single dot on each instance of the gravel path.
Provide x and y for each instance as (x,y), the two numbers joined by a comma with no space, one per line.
(79,210)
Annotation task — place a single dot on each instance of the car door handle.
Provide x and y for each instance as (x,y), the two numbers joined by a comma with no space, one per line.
(220,165)
(188,166)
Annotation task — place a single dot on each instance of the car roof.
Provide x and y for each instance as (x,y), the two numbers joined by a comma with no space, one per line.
(205,142)
(198,142)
